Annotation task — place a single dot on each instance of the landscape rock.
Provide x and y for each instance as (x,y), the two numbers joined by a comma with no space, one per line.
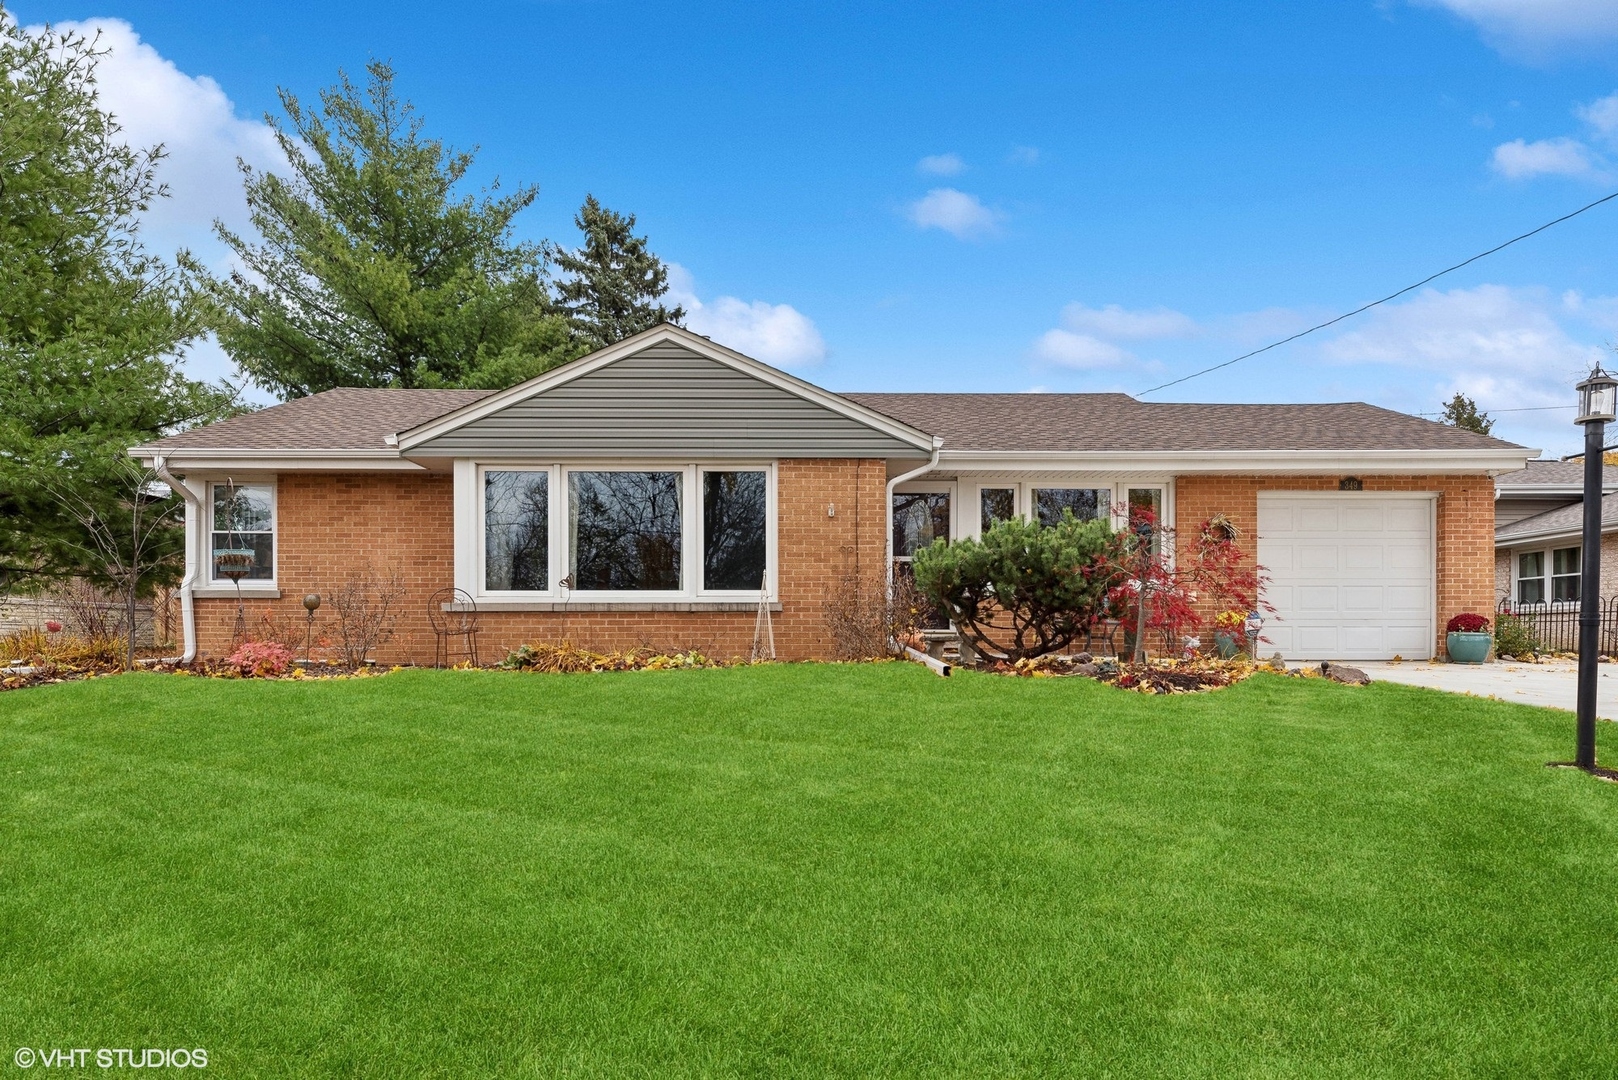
(1086,669)
(1082,658)
(1351,676)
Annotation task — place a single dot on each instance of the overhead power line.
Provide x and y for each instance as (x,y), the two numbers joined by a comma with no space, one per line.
(1491,412)
(1391,296)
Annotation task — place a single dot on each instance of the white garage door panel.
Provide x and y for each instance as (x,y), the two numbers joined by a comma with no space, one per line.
(1351,577)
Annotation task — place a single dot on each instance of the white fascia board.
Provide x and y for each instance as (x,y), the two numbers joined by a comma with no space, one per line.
(183,459)
(583,366)
(1275,462)
(1553,534)
(1526,491)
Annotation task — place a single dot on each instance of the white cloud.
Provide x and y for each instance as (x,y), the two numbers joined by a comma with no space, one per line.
(1519,160)
(202,135)
(777,334)
(1120,323)
(957,213)
(1501,345)
(1081,351)
(1533,27)
(1023,155)
(198,126)
(1602,116)
(941,165)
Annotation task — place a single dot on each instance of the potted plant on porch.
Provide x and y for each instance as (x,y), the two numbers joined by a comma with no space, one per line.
(1468,639)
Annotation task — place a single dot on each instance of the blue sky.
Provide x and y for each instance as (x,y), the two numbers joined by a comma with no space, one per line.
(1001,196)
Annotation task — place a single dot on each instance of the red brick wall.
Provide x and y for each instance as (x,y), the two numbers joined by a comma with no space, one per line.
(331,524)
(1466,562)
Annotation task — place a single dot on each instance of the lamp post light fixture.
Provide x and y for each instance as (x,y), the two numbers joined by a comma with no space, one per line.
(1598,404)
(311,604)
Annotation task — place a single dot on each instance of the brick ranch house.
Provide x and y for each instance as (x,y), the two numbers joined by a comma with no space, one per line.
(646,493)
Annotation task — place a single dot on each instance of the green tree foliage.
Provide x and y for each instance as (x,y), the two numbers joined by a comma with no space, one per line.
(1462,412)
(371,270)
(1024,589)
(90,322)
(613,282)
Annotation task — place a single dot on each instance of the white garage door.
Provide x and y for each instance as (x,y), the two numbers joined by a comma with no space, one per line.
(1352,576)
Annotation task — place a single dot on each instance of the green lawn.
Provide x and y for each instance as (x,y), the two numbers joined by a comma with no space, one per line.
(803,871)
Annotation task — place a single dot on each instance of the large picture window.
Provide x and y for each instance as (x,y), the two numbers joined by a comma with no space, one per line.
(735,530)
(625,531)
(244,526)
(516,531)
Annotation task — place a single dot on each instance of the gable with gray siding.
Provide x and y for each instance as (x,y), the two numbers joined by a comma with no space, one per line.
(665,400)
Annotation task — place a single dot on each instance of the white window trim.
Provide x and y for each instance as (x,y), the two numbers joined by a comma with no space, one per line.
(970,518)
(470,534)
(553,504)
(1549,557)
(212,586)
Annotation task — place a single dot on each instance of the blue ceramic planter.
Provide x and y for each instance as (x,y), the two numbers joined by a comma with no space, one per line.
(1468,648)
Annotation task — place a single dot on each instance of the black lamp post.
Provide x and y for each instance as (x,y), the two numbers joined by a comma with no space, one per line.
(1598,403)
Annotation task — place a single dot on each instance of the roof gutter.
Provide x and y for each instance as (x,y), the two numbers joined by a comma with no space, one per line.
(938,448)
(193,516)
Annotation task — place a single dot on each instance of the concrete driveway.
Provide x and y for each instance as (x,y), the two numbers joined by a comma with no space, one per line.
(1553,683)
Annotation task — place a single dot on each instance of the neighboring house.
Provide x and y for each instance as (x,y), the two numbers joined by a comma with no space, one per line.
(646,493)
(1538,532)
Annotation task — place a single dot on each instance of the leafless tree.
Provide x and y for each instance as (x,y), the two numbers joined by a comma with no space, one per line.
(122,545)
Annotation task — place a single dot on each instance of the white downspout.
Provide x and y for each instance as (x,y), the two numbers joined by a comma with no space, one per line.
(938,448)
(193,523)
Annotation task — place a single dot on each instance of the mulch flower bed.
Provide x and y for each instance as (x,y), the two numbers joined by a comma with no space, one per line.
(1192,676)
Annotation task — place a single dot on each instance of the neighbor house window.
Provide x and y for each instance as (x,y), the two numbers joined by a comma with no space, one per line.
(1535,586)
(1565,574)
(1087,504)
(516,531)
(919,518)
(243,524)
(996,505)
(625,531)
(735,530)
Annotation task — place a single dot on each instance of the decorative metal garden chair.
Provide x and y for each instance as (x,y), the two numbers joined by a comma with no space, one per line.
(460,623)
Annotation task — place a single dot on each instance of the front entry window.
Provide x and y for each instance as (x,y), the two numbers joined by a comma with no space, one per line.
(998,504)
(1087,504)
(919,518)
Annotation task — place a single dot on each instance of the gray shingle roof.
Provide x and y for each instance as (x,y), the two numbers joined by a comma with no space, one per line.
(348,418)
(1055,422)
(1563,521)
(353,418)
(1553,473)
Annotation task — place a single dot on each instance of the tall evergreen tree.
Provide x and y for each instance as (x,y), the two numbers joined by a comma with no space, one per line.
(371,269)
(614,281)
(1462,412)
(91,324)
